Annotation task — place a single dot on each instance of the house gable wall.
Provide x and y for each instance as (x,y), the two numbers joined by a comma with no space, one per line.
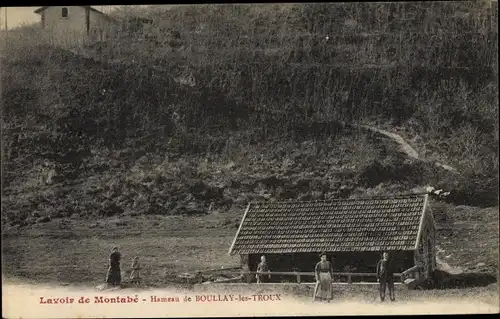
(75,21)
(65,31)
(426,245)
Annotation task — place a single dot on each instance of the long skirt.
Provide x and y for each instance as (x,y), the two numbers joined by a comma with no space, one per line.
(135,275)
(114,276)
(262,278)
(324,286)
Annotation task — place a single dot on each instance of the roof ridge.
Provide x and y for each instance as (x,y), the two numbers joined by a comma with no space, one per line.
(43,8)
(398,196)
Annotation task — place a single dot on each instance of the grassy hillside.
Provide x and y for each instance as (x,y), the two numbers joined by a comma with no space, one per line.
(269,112)
(439,85)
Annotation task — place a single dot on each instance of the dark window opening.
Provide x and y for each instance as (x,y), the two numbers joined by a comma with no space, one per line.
(64,12)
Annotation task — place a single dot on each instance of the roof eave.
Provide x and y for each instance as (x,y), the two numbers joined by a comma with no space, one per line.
(239,229)
(317,251)
(45,7)
(39,10)
(422,218)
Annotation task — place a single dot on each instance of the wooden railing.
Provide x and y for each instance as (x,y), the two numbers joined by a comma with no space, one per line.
(298,274)
(407,272)
(250,275)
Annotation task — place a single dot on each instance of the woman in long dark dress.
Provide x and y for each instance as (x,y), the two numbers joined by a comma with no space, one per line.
(324,277)
(114,276)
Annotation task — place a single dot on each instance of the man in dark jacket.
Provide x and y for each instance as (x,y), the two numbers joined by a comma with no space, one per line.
(385,276)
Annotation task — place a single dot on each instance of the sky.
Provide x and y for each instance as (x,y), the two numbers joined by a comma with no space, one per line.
(17,16)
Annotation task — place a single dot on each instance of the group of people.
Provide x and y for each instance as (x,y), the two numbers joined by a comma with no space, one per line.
(114,276)
(323,271)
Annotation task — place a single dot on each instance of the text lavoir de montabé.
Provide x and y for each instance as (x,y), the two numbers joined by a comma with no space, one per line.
(94,299)
(155,299)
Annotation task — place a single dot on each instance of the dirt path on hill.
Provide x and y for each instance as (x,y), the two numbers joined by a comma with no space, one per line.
(404,145)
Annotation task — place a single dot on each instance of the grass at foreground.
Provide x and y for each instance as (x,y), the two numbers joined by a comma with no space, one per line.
(76,251)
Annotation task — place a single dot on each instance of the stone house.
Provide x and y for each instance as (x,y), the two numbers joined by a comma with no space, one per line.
(75,25)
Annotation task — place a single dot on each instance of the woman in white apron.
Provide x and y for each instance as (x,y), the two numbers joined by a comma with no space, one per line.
(324,277)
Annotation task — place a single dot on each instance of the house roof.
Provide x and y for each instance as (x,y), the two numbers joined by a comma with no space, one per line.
(349,225)
(39,10)
(46,7)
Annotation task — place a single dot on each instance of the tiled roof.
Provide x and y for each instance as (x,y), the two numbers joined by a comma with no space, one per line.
(369,224)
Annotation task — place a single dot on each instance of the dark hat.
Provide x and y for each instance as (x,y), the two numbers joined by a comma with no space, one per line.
(322,254)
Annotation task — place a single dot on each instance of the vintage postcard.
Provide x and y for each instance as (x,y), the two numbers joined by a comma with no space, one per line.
(236,160)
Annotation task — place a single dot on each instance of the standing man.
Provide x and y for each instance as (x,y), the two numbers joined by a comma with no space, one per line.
(114,276)
(261,269)
(385,276)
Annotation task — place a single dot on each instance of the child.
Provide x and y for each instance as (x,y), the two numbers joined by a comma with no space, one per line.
(135,277)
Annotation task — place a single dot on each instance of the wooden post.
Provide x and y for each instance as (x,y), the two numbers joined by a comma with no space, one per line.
(298,278)
(349,280)
(434,252)
(5,11)
(245,260)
